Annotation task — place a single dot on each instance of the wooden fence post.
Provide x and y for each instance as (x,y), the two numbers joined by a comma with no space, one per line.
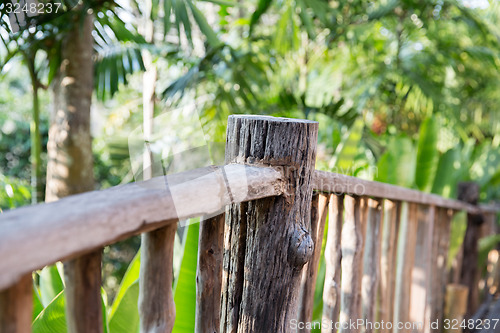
(469,192)
(209,275)
(268,241)
(319,211)
(16,306)
(333,256)
(352,264)
(156,300)
(390,231)
(455,306)
(83,293)
(406,255)
(371,262)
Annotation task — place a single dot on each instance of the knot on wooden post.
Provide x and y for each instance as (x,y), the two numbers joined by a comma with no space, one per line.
(301,247)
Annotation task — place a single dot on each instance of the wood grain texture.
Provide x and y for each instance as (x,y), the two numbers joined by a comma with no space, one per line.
(432,265)
(406,255)
(440,246)
(209,275)
(156,300)
(391,222)
(371,262)
(83,293)
(268,241)
(319,212)
(81,223)
(455,305)
(342,184)
(420,274)
(333,256)
(352,264)
(16,306)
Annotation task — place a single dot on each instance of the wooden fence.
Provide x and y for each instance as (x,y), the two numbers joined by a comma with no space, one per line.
(259,251)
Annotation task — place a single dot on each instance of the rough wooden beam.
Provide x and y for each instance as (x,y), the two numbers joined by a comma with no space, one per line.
(342,184)
(333,256)
(156,300)
(209,275)
(16,306)
(319,211)
(371,262)
(81,223)
(269,239)
(83,293)
(352,264)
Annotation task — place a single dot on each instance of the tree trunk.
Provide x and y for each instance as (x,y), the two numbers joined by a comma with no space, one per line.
(70,165)
(69,169)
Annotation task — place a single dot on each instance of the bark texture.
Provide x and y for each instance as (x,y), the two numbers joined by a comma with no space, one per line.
(70,165)
(268,241)
(156,300)
(16,306)
(69,169)
(209,275)
(333,256)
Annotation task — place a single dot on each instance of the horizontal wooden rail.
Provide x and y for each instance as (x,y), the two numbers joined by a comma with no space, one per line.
(342,184)
(39,235)
(81,223)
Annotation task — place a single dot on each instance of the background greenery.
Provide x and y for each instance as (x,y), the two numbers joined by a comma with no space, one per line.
(406,92)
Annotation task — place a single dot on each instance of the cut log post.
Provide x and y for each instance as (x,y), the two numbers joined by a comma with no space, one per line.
(420,274)
(371,262)
(390,233)
(352,264)
(333,256)
(406,255)
(16,306)
(83,293)
(268,242)
(455,307)
(319,209)
(469,192)
(209,275)
(156,301)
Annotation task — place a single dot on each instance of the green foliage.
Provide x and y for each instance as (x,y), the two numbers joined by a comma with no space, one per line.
(185,284)
(427,154)
(397,164)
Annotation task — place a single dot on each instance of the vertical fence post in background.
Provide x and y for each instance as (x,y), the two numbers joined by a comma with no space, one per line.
(371,262)
(439,259)
(455,306)
(352,264)
(268,241)
(420,274)
(319,211)
(469,192)
(209,275)
(390,231)
(406,255)
(16,306)
(156,301)
(333,256)
(83,293)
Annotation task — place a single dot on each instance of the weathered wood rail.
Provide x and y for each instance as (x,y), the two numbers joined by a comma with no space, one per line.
(260,243)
